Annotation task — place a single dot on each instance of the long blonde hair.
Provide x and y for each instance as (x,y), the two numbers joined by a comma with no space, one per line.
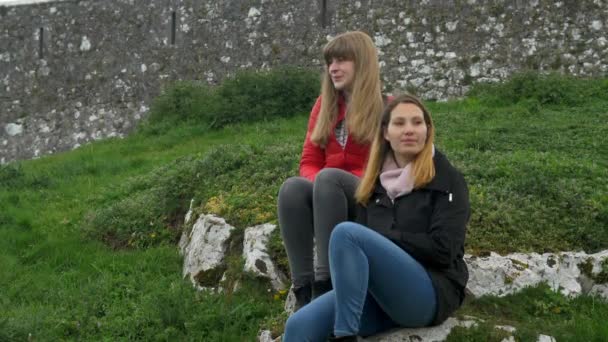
(423,169)
(366,104)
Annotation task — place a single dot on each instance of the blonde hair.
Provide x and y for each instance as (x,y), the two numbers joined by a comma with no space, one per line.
(423,168)
(365,107)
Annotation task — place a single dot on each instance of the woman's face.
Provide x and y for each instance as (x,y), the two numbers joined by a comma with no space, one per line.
(342,73)
(406,132)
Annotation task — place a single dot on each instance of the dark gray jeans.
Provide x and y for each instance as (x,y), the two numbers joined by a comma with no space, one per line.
(308,212)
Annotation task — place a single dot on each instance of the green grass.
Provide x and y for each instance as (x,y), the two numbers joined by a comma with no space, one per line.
(535,311)
(536,179)
(536,169)
(55,283)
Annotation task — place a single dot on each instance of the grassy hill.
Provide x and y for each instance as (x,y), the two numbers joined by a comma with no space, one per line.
(88,236)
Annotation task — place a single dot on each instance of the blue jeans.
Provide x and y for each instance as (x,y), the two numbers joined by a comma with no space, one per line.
(377,286)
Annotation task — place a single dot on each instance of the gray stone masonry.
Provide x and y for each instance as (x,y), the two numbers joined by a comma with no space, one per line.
(75,71)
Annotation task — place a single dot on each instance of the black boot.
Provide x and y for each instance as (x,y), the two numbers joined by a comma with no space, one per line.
(319,287)
(303,294)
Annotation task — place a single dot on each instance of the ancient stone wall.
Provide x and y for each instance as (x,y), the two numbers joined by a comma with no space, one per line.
(75,71)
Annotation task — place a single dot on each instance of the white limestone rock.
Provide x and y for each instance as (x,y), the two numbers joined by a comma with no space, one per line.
(381,40)
(546,338)
(475,70)
(85,44)
(13,129)
(204,246)
(451,25)
(433,94)
(256,256)
(417,82)
(410,37)
(185,238)
(596,25)
(450,55)
(44,128)
(506,328)
(5,57)
(290,301)
(600,291)
(188,216)
(266,336)
(502,275)
(253,12)
(436,333)
(417,63)
(425,69)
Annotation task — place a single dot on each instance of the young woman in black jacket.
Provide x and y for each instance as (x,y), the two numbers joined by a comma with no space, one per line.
(401,263)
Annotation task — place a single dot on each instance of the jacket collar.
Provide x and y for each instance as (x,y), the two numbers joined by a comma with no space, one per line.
(441,181)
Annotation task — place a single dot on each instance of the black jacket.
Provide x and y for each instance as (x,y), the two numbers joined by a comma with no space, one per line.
(429,223)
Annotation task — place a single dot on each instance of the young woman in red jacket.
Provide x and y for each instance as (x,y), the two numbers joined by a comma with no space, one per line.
(401,262)
(342,125)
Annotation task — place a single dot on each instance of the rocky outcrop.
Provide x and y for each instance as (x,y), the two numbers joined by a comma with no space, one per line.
(266,336)
(257,260)
(438,333)
(441,332)
(571,273)
(204,248)
(434,334)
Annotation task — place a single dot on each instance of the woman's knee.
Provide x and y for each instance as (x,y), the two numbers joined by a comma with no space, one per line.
(333,185)
(313,322)
(344,231)
(328,176)
(295,190)
(295,330)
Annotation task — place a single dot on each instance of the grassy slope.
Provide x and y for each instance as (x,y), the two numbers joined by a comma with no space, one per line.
(55,284)
(536,178)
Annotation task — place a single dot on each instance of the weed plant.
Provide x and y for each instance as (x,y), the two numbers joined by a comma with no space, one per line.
(249,96)
(534,90)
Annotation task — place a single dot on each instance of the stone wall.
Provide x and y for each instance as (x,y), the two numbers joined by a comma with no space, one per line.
(75,71)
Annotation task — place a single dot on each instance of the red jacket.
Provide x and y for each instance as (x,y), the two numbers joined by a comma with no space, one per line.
(351,158)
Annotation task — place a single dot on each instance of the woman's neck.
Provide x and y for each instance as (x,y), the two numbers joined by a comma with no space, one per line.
(346,95)
(400,160)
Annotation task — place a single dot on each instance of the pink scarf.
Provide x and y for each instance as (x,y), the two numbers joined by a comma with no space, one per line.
(397,181)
